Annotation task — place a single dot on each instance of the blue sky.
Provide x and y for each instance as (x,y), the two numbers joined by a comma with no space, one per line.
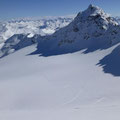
(35,8)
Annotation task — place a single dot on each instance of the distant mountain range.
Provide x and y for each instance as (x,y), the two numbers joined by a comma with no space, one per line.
(32,26)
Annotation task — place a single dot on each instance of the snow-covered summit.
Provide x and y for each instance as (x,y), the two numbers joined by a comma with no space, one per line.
(96,13)
(92,11)
(91,29)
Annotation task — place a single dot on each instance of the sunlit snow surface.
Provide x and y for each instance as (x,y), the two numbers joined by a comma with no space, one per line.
(69,86)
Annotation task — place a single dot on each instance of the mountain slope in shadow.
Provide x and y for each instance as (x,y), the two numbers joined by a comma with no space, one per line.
(111,62)
(91,29)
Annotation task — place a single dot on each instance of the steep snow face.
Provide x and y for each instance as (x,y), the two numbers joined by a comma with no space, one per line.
(42,26)
(92,29)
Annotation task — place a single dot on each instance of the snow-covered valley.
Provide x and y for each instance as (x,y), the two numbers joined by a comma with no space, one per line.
(72,74)
(59,87)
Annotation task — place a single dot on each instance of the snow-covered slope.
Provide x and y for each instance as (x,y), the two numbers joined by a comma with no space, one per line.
(92,29)
(117,18)
(69,86)
(62,86)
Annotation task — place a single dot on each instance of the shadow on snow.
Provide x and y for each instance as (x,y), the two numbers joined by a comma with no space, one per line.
(111,62)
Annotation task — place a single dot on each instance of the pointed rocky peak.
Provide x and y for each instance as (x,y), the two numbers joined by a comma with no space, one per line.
(92,11)
(96,14)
